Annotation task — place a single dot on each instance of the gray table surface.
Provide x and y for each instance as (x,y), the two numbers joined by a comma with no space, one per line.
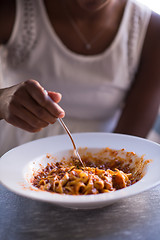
(136,218)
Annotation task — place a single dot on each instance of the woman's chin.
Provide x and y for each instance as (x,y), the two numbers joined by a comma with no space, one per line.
(92,5)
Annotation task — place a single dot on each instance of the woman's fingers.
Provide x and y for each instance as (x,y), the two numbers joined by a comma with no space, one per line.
(27,116)
(17,122)
(24,99)
(38,94)
(56,97)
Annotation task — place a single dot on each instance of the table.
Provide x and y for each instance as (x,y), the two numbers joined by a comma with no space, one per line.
(134,218)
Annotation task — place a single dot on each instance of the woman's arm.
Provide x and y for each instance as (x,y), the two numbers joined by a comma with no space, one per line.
(143,100)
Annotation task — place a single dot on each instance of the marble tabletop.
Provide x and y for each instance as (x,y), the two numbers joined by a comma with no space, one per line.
(134,218)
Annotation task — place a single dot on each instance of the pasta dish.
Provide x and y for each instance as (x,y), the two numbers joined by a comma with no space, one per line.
(98,175)
(77,181)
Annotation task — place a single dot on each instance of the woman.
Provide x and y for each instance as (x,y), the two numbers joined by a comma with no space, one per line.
(101,55)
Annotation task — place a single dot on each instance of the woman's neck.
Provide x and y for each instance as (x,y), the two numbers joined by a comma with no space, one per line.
(101,25)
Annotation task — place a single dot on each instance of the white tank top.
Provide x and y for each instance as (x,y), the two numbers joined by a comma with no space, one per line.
(93,87)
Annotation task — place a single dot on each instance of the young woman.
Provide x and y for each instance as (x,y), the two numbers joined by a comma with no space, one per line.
(103,56)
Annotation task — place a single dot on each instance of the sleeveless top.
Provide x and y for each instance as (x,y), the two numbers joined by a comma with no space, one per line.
(93,87)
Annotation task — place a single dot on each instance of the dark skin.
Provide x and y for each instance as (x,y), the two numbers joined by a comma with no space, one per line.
(142,102)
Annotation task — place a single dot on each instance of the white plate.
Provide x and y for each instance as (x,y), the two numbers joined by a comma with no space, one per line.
(15,164)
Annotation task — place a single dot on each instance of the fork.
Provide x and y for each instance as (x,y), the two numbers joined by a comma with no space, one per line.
(75,151)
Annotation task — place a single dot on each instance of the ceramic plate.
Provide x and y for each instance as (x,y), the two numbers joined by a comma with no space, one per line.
(16,166)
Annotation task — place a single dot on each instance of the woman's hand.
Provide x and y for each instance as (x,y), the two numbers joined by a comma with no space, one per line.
(28,107)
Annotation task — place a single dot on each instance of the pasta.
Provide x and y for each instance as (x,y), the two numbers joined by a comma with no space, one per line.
(98,176)
(80,181)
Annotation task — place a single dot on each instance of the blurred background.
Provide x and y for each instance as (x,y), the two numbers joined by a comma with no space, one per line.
(153,4)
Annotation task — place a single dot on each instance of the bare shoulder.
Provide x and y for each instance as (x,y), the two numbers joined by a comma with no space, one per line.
(151,45)
(7,18)
(155,22)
